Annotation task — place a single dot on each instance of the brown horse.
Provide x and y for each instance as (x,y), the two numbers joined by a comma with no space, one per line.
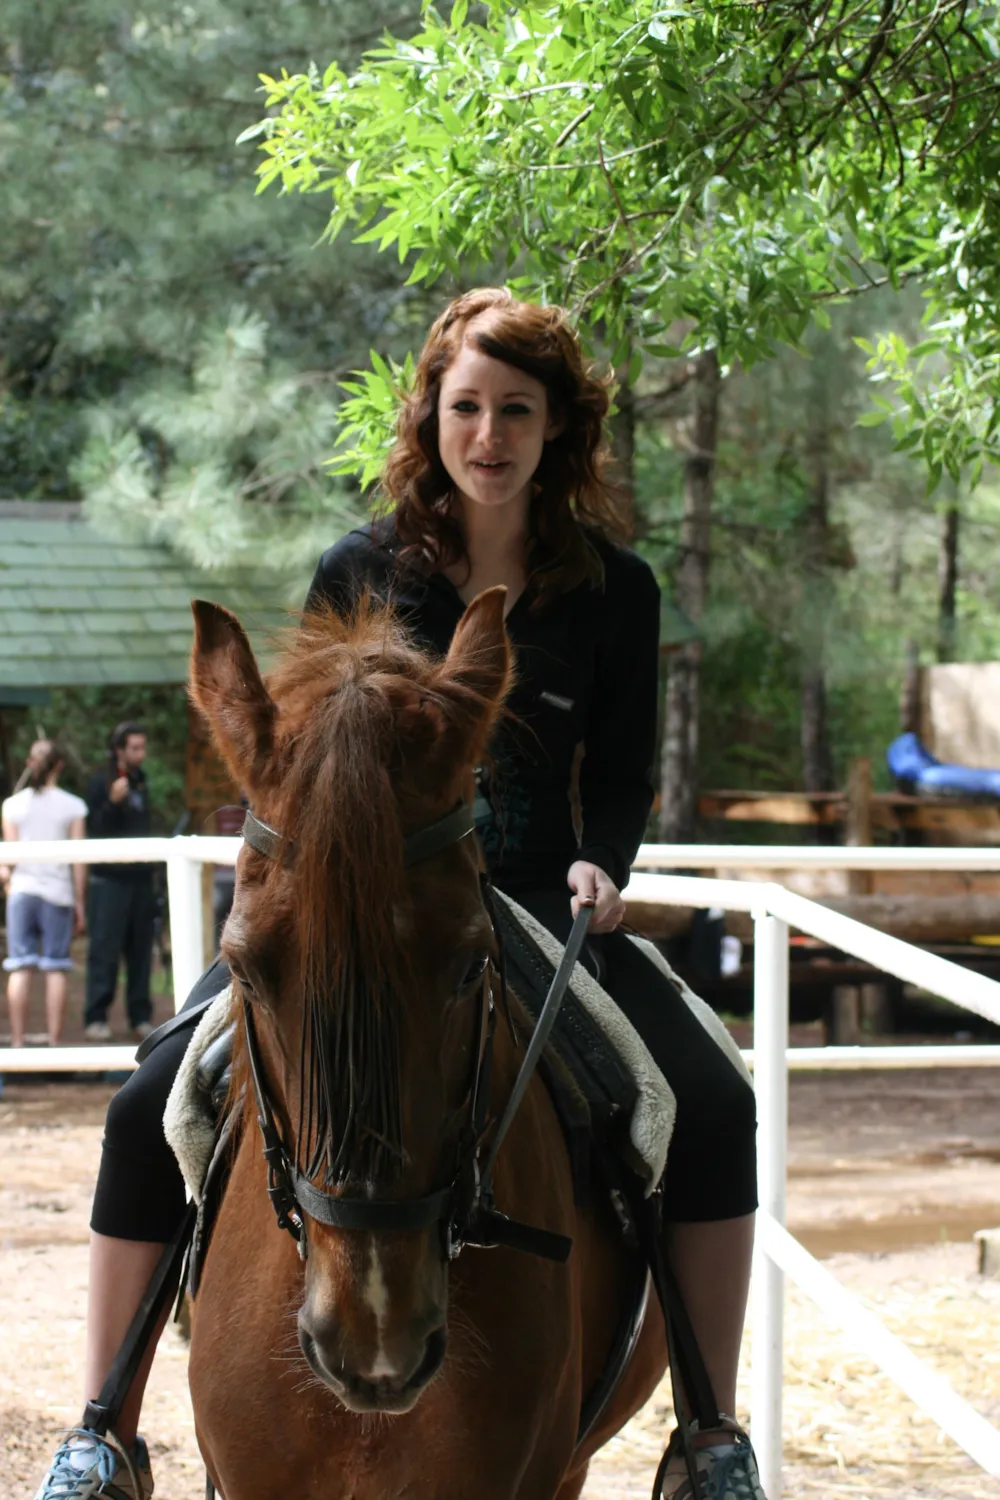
(375,1368)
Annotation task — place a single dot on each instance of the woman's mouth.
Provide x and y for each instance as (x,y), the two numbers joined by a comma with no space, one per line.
(490,466)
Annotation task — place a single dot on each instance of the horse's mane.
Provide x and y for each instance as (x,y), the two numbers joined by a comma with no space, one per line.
(342,688)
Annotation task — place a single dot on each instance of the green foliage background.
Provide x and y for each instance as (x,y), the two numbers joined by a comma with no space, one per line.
(174,344)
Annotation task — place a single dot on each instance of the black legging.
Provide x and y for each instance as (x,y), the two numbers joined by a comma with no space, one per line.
(712,1163)
(711,1169)
(140,1191)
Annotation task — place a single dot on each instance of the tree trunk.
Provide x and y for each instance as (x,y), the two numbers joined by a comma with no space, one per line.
(623,436)
(817,767)
(909,697)
(817,763)
(947,582)
(679,754)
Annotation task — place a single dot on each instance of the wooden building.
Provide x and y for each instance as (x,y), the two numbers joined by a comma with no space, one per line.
(79,607)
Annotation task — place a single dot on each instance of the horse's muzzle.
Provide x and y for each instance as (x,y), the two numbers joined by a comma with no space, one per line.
(392,1394)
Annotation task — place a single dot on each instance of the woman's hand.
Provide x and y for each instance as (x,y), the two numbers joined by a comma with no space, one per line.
(591,886)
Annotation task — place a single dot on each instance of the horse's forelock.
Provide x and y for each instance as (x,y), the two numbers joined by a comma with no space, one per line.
(343,691)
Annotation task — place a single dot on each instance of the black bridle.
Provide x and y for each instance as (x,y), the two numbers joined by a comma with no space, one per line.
(464,1209)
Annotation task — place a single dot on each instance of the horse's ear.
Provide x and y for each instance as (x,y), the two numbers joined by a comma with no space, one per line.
(478,665)
(479,654)
(227,686)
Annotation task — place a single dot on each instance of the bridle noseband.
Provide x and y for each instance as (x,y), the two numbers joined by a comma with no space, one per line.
(464,1210)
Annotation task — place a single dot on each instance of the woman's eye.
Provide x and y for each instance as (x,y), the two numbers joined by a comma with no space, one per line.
(465,406)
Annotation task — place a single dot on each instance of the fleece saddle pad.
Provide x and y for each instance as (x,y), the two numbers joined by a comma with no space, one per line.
(601,1048)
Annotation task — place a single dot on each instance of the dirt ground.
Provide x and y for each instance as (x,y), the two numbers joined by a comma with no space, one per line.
(890,1175)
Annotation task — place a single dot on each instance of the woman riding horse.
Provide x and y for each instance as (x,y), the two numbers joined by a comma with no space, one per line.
(497,478)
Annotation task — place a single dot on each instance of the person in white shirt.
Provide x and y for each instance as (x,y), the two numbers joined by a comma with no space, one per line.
(44,901)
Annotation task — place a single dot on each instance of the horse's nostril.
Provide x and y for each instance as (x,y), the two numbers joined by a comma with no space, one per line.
(377,1389)
(437,1344)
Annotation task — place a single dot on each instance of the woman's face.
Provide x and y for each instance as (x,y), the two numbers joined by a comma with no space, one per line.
(493,422)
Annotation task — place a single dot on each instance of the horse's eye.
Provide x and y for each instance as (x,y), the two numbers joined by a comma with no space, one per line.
(475,971)
(242,980)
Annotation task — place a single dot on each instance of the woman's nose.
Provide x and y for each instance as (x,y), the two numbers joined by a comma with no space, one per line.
(489,428)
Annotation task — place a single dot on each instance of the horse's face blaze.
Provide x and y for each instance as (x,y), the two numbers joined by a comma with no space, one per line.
(373,1324)
(366,977)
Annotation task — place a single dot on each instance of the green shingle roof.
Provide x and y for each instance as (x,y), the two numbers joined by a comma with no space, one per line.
(77,608)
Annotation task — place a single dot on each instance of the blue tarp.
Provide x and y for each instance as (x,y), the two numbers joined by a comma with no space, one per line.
(913,764)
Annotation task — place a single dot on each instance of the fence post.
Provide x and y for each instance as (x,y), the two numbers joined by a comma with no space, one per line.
(186,928)
(770,1041)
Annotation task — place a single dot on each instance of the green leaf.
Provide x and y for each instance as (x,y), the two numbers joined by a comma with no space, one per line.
(929,346)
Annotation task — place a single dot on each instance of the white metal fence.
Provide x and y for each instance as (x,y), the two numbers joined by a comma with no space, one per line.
(775,910)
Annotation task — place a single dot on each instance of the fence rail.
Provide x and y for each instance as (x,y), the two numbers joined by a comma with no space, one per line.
(775,910)
(810,857)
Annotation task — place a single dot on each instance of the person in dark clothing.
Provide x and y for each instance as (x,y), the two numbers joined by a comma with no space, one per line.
(121,900)
(587,674)
(497,477)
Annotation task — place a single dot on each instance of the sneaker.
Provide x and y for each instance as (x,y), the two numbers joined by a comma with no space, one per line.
(97,1031)
(87,1465)
(142,1031)
(727,1469)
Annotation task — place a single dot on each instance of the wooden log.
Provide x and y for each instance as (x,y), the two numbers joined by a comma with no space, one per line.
(858,808)
(844,1020)
(876,1010)
(916,918)
(988,1252)
(858,822)
(935,882)
(803,808)
(656,921)
(924,919)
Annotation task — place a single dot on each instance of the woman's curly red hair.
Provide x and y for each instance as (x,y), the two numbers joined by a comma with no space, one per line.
(571,491)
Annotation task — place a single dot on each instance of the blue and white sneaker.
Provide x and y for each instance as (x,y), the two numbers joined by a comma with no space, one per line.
(727,1469)
(87,1465)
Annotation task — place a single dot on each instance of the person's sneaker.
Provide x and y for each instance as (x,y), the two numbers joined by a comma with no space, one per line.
(142,1031)
(97,1031)
(87,1465)
(727,1469)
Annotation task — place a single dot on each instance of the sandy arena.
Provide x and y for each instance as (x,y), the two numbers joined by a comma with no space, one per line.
(891,1173)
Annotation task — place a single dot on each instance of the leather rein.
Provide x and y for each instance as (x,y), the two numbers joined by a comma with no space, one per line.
(464,1210)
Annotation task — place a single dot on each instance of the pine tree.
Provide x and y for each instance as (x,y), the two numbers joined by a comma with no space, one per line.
(172,341)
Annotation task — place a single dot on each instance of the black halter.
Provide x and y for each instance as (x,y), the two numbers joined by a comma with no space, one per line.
(464,1209)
